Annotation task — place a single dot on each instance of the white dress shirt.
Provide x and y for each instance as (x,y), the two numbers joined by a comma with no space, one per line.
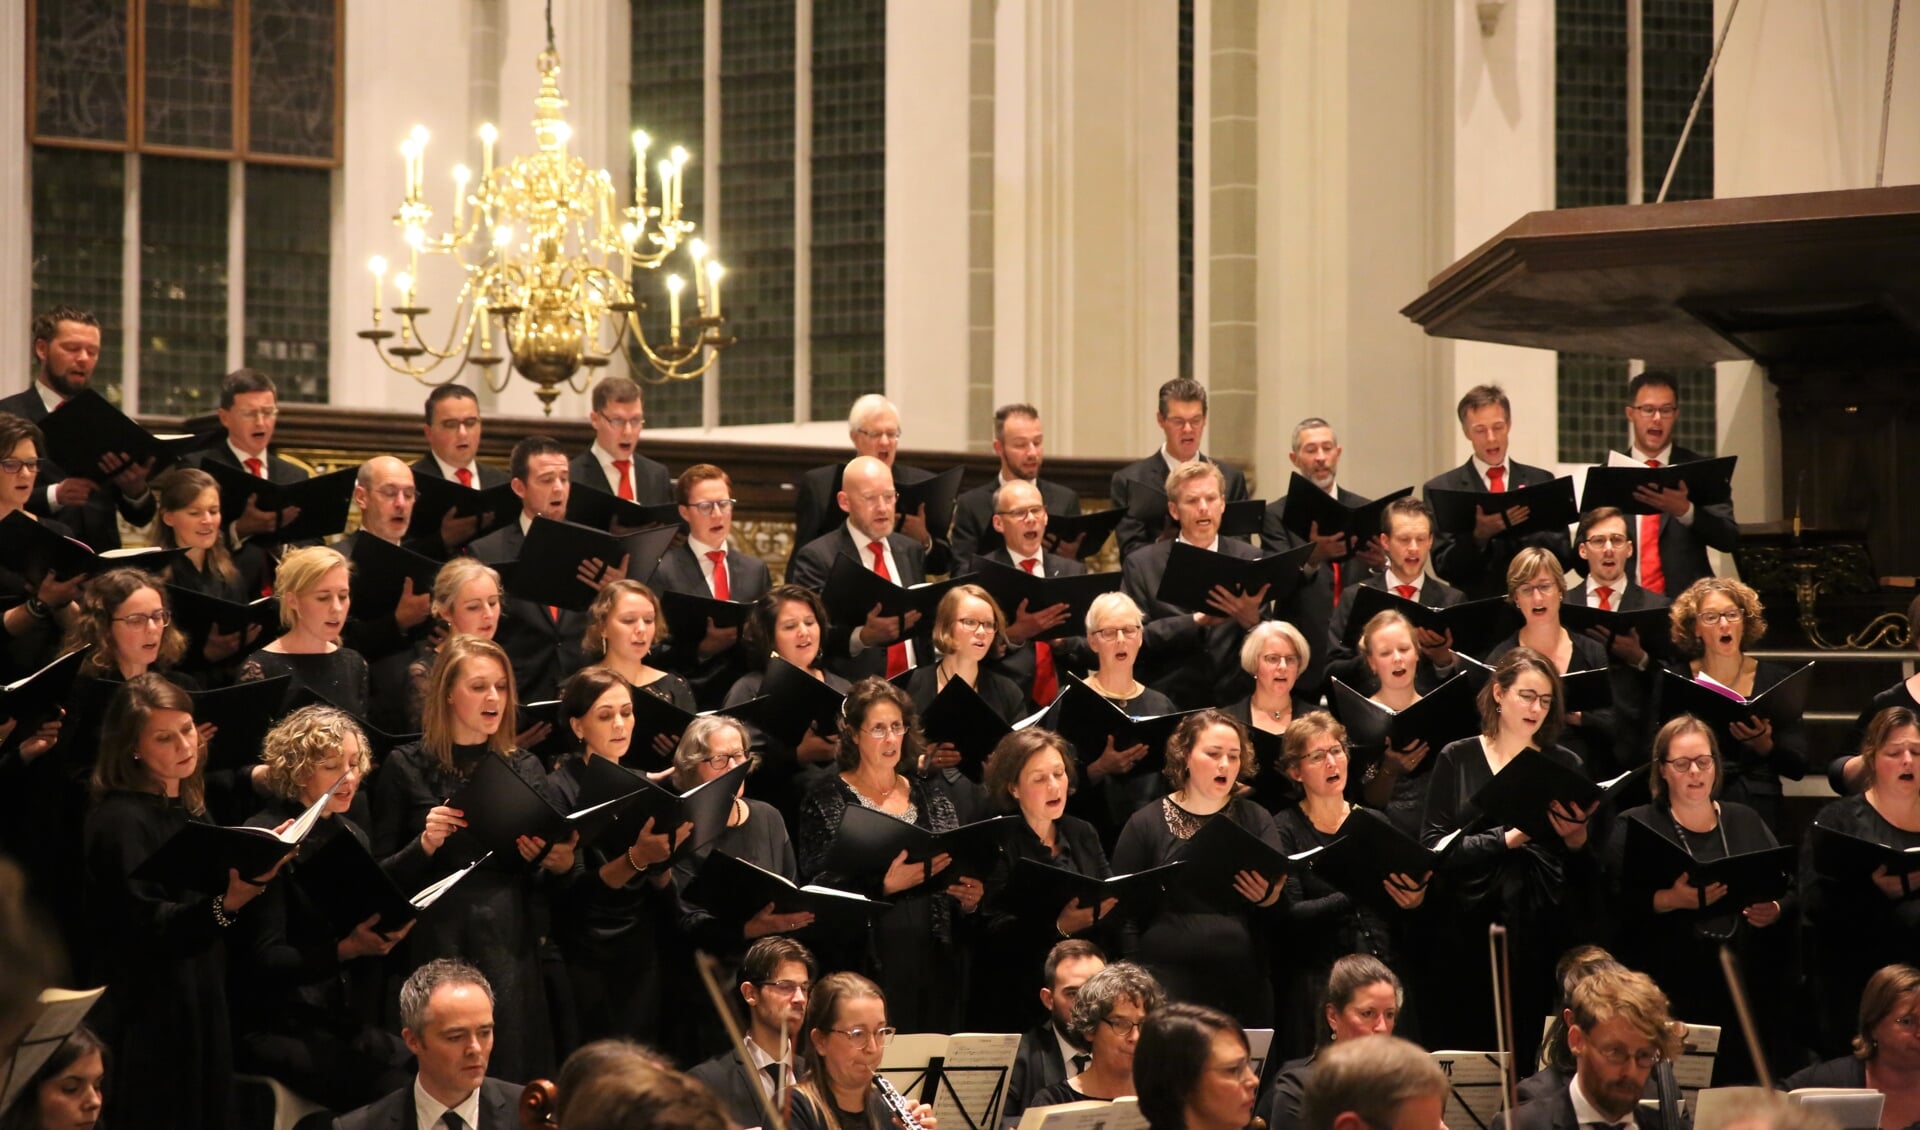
(1481,467)
(1039,561)
(605,458)
(1586,1114)
(428,1109)
(701,549)
(451,473)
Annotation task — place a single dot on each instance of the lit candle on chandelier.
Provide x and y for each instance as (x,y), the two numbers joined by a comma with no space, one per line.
(714,271)
(461,174)
(666,190)
(488,135)
(679,178)
(419,139)
(698,249)
(674,283)
(640,143)
(378,266)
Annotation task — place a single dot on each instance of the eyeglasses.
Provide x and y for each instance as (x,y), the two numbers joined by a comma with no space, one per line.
(1541,589)
(159,618)
(969,624)
(893,435)
(1605,541)
(1534,698)
(258,415)
(1025,513)
(880,731)
(866,1036)
(1238,1069)
(624,423)
(1108,635)
(1655,411)
(15,466)
(1730,616)
(712,506)
(1618,1056)
(1275,659)
(465,424)
(1322,756)
(787,988)
(1703,763)
(398,494)
(723,760)
(1121,1026)
(1182,423)
(878,497)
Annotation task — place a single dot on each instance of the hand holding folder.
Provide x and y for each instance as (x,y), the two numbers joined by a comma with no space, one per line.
(1311,510)
(1196,577)
(1541,508)
(1236,870)
(1653,862)
(1534,792)
(307,510)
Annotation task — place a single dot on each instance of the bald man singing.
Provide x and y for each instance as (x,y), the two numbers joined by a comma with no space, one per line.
(882,645)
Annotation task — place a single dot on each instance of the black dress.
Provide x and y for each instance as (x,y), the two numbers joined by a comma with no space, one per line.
(1749,777)
(496,918)
(163,958)
(1853,928)
(1595,740)
(248,583)
(910,950)
(997,691)
(1272,789)
(1199,952)
(1546,896)
(1110,802)
(1010,949)
(1680,948)
(781,780)
(23,654)
(300,1014)
(338,676)
(1895,695)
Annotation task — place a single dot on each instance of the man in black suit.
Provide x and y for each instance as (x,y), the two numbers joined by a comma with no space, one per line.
(1047,1052)
(1138,487)
(542,641)
(446,1013)
(1476,564)
(612,464)
(1406,542)
(707,565)
(249,410)
(873,424)
(1673,543)
(1620,1029)
(776,979)
(1020,525)
(882,645)
(66,347)
(1018,441)
(1605,545)
(1380,1082)
(1193,657)
(1338,561)
(453,453)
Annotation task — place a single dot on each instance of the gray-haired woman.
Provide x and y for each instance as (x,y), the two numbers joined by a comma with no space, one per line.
(1107,1015)
(713,746)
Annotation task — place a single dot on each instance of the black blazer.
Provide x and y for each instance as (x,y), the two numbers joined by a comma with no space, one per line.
(1632,688)
(94,522)
(1152,472)
(1036,1066)
(973,532)
(679,571)
(652,486)
(1192,665)
(1481,570)
(542,651)
(817,513)
(1555,1112)
(1683,548)
(737,1088)
(499,1110)
(279,470)
(430,467)
(1632,598)
(1350,667)
(1311,607)
(1069,652)
(809,567)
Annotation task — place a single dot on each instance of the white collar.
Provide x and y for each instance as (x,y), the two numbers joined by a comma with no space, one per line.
(701,549)
(862,540)
(1068,1049)
(1212,546)
(526,520)
(451,473)
(1393,578)
(48,397)
(1664,455)
(265,457)
(1585,1113)
(429,1109)
(1175,464)
(1039,556)
(1483,467)
(606,457)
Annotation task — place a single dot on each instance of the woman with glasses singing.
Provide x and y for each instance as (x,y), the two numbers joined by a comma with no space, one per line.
(842,1041)
(968,630)
(624,624)
(41,605)
(1324,922)
(1108,1013)
(1674,932)
(910,950)
(1536,584)
(1540,891)
(1111,791)
(1274,653)
(1862,919)
(789,624)
(1714,622)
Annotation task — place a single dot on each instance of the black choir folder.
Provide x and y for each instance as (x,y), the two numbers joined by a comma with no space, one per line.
(381,571)
(1653,861)
(1192,573)
(1087,718)
(87,428)
(495,506)
(1371,850)
(616,803)
(868,842)
(548,568)
(198,856)
(1040,892)
(1520,794)
(1652,624)
(687,614)
(734,890)
(958,715)
(199,614)
(34,551)
(1092,528)
(1709,483)
(241,714)
(1550,506)
(324,500)
(347,884)
(1448,714)
(590,506)
(33,700)
(1009,587)
(1308,506)
(936,493)
(1591,689)
(1842,855)
(1476,624)
(1222,849)
(791,702)
(853,590)
(1783,703)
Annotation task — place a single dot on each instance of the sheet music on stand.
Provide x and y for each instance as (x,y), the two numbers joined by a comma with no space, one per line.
(963,1076)
(1120,1114)
(1259,1044)
(1693,1071)
(61,1011)
(1475,1087)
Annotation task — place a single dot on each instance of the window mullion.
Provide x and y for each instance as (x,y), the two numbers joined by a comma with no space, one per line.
(130,290)
(236,265)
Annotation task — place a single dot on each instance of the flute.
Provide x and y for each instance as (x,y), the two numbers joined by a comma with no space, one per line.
(896,1102)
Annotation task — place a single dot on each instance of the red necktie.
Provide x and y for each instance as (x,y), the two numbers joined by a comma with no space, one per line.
(896,653)
(1606,598)
(256,468)
(624,466)
(1652,578)
(1046,682)
(1497,480)
(1406,591)
(721,589)
(553,613)
(465,476)
(1336,583)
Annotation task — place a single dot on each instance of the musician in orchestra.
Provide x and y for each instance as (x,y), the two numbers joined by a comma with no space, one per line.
(1107,1015)
(775,983)
(1621,1030)
(1192,1070)
(1556,1060)
(1362,998)
(1274,653)
(1859,922)
(447,1020)
(1324,922)
(1674,933)
(1536,586)
(67,1092)
(845,1035)
(1886,1048)
(1031,772)
(1378,1083)
(1051,1052)
(620,1085)
(921,967)
(1112,792)
(1540,891)
(1714,622)
(789,623)
(1198,951)
(1390,647)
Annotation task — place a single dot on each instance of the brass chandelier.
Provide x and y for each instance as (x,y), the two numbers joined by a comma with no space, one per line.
(547,252)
